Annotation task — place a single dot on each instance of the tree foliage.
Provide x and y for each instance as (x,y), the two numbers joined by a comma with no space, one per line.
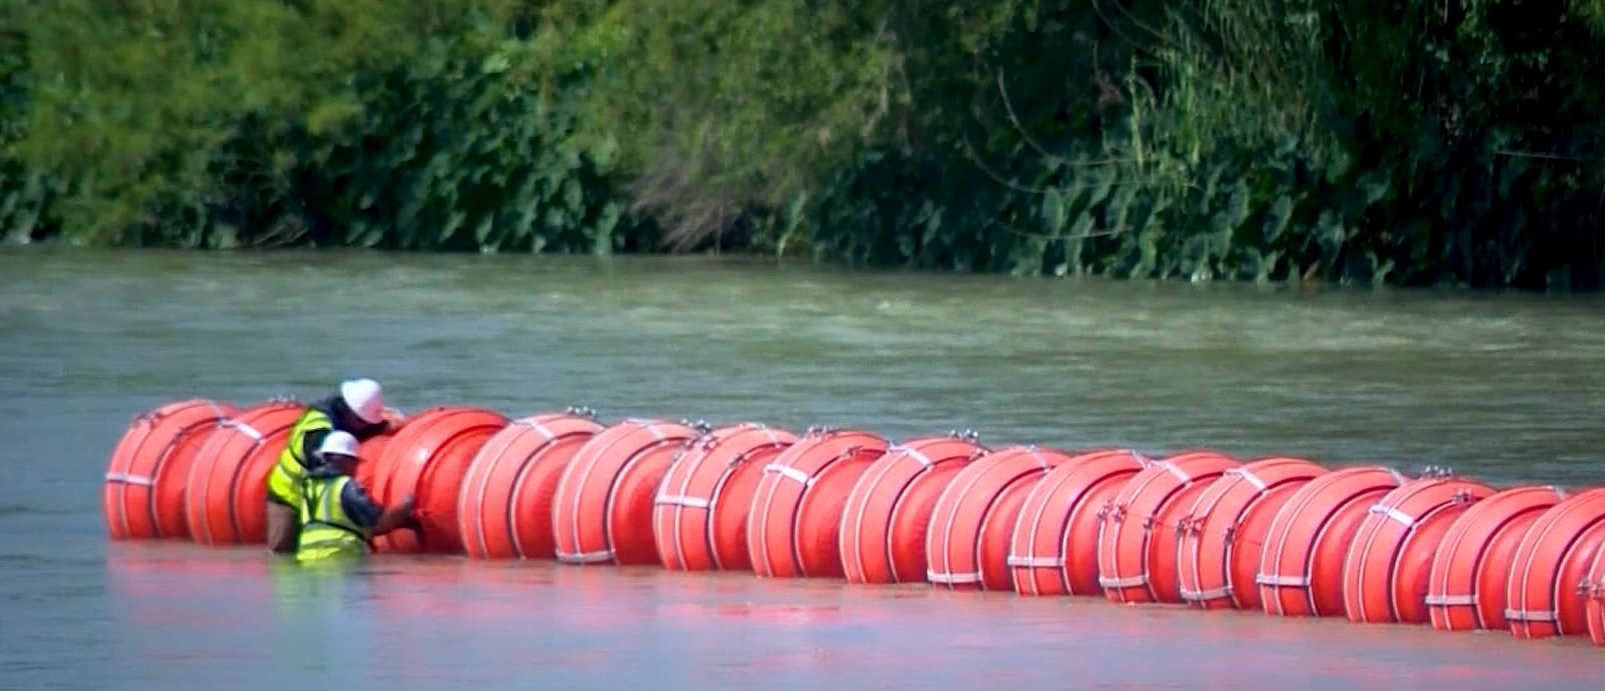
(1395,141)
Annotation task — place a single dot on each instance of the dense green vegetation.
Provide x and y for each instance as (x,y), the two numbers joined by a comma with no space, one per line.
(1398,141)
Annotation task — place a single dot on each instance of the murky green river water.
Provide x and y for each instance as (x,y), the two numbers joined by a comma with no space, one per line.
(1506,389)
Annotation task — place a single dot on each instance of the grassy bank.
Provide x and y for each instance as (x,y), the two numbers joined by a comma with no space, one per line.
(1404,142)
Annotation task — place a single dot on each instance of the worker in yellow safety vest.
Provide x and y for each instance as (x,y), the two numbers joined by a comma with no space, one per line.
(358,409)
(338,517)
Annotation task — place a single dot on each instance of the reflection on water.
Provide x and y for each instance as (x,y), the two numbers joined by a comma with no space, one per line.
(211,617)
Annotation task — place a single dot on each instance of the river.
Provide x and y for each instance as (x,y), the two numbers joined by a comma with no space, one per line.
(1503,388)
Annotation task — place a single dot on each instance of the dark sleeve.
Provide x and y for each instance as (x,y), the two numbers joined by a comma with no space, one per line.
(309,446)
(372,430)
(359,506)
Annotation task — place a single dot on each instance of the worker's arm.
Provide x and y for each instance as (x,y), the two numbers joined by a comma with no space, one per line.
(370,514)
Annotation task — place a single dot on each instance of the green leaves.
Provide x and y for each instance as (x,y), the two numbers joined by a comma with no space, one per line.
(221,124)
(1224,139)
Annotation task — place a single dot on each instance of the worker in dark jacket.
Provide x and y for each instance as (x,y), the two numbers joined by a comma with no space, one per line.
(357,409)
(337,516)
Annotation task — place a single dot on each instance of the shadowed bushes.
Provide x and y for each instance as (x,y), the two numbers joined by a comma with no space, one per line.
(1401,142)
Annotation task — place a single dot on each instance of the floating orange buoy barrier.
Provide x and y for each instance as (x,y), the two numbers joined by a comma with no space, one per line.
(602,512)
(1054,548)
(882,533)
(797,507)
(1282,535)
(1386,571)
(1220,541)
(504,509)
(972,525)
(427,460)
(1138,540)
(1542,598)
(1466,586)
(225,502)
(1301,563)
(149,469)
(699,517)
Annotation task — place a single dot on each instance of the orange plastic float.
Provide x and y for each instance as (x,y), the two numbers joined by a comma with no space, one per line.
(1054,548)
(372,449)
(504,509)
(225,500)
(972,525)
(1301,563)
(1386,571)
(796,511)
(602,512)
(1138,539)
(1466,586)
(1544,596)
(1224,528)
(882,532)
(699,517)
(145,478)
(427,460)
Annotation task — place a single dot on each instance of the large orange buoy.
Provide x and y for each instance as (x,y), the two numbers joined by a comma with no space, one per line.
(602,513)
(146,475)
(1542,598)
(1466,586)
(972,525)
(504,509)
(225,500)
(1054,548)
(427,460)
(1385,572)
(883,525)
(1301,563)
(372,449)
(1138,540)
(796,511)
(699,517)
(1225,527)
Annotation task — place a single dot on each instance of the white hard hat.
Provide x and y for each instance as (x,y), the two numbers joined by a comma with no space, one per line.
(364,398)
(338,442)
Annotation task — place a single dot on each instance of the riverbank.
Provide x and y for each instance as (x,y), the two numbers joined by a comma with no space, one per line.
(1178,140)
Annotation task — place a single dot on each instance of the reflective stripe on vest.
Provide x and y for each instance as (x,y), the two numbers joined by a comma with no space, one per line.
(324,522)
(287,475)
